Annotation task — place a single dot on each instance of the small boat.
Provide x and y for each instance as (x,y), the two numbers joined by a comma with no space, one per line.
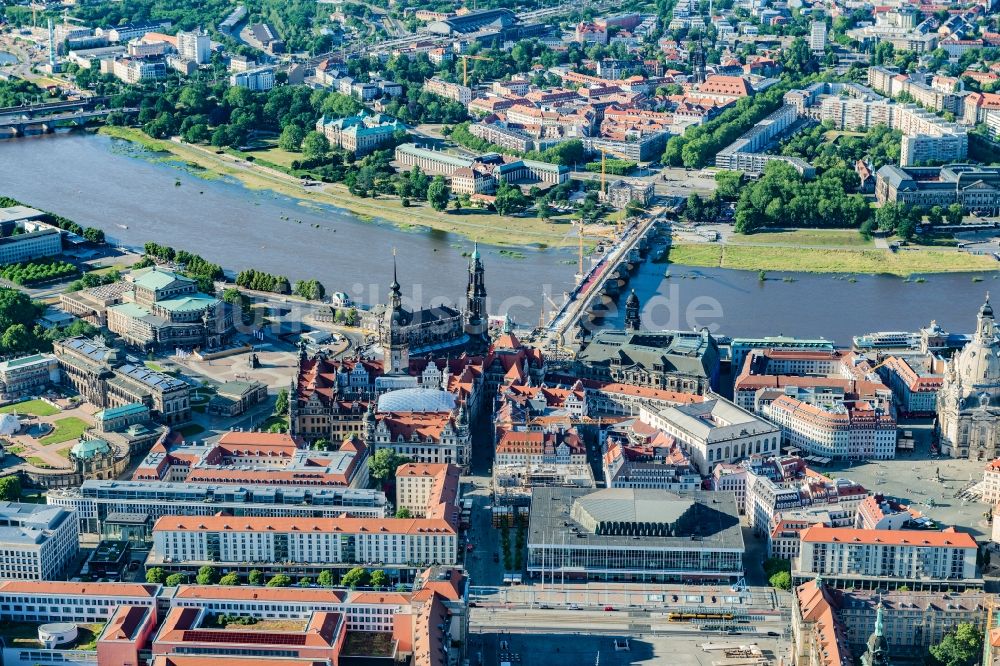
(123,226)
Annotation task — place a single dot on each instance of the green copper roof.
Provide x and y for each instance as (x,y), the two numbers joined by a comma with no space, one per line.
(89,448)
(157,278)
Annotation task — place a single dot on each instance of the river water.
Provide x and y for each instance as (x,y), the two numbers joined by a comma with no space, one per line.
(7,58)
(109,184)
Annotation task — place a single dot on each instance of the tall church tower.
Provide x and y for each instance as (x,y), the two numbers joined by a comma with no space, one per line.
(632,320)
(476,320)
(396,357)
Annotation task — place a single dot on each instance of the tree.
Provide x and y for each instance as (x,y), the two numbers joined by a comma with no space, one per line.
(281,403)
(694,209)
(798,58)
(509,199)
(291,138)
(17,338)
(356,577)
(305,581)
(93,235)
(890,215)
(438,193)
(173,580)
(321,444)
(954,214)
(326,578)
(382,466)
(728,184)
(255,577)
(379,579)
(279,580)
(781,580)
(315,146)
(206,576)
(230,579)
(962,647)
(156,576)
(935,215)
(10,488)
(403,512)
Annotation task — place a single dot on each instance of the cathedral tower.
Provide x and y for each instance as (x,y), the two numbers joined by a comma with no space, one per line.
(476,319)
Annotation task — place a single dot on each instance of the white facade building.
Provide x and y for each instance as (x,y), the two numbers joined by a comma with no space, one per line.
(195,46)
(715,431)
(37,542)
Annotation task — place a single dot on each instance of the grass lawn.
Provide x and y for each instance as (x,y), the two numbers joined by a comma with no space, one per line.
(37,462)
(14,450)
(903,263)
(272,153)
(805,237)
(33,407)
(155,367)
(66,429)
(190,430)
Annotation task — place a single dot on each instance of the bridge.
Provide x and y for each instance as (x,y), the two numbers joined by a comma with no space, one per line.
(31,110)
(14,127)
(603,281)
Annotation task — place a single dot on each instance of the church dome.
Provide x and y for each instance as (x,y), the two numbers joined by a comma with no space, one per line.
(416,400)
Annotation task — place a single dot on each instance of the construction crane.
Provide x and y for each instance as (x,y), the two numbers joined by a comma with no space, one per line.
(465,66)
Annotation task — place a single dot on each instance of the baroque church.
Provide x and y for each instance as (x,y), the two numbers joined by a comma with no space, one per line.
(436,329)
(968,407)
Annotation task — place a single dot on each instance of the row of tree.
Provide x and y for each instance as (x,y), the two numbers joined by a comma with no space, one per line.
(209,575)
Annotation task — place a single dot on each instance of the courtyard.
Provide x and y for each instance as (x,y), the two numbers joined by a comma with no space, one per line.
(47,434)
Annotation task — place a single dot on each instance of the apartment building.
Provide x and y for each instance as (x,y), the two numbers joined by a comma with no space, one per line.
(258,78)
(28,375)
(991,483)
(134,70)
(841,431)
(194,45)
(747,152)
(37,542)
(915,382)
(422,488)
(302,546)
(866,559)
(769,494)
(453,91)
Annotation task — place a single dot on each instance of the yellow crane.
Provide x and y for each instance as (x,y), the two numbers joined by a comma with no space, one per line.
(465,66)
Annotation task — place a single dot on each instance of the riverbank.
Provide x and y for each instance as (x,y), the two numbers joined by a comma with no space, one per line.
(488,228)
(904,262)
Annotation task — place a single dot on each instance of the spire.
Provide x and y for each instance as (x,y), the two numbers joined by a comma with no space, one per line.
(475,251)
(879,620)
(394,285)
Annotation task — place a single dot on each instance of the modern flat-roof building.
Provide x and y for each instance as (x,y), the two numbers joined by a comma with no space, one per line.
(258,78)
(868,559)
(631,535)
(37,240)
(37,542)
(96,500)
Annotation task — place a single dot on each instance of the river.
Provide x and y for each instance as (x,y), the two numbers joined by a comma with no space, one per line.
(110,184)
